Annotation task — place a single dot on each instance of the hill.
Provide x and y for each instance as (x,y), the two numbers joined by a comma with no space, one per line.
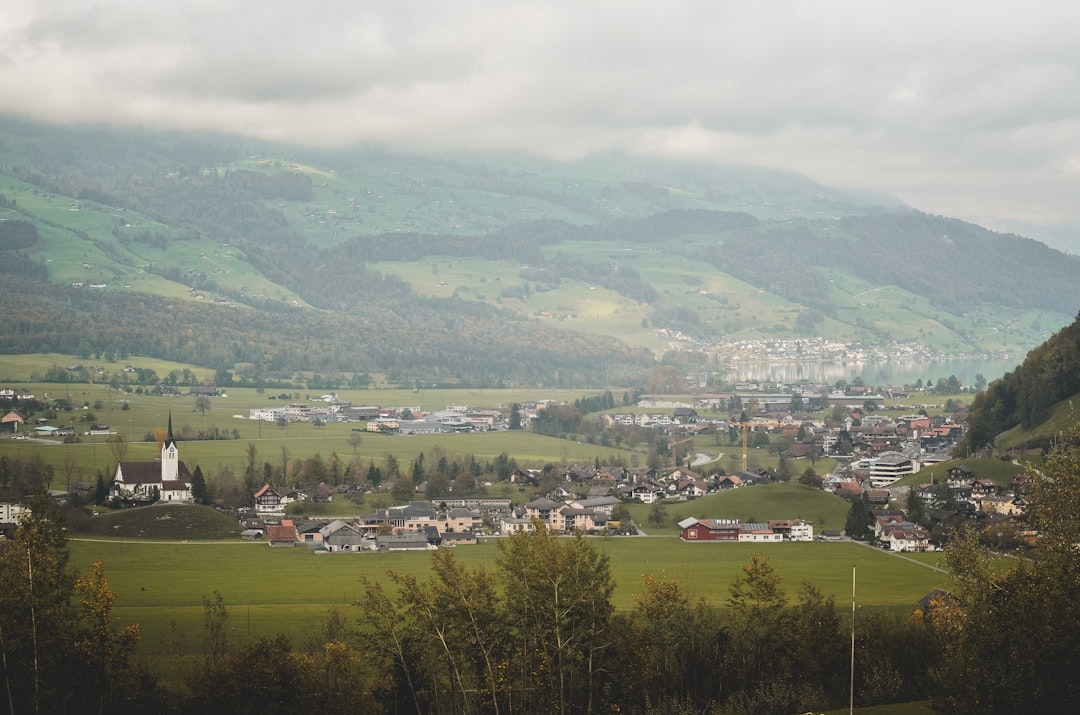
(757,503)
(171,522)
(1033,403)
(271,260)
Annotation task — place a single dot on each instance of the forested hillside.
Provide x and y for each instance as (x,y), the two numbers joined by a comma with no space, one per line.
(479,270)
(1027,395)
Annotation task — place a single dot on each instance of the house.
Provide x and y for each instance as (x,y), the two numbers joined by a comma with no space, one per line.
(729,481)
(268,501)
(647,493)
(167,479)
(793,529)
(514,524)
(905,536)
(961,474)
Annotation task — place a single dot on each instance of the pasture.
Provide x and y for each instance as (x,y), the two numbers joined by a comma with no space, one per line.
(750,504)
(160,585)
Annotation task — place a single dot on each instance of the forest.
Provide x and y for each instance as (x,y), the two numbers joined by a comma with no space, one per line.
(1025,396)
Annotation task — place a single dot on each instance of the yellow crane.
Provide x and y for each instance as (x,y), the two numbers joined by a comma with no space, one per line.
(745,430)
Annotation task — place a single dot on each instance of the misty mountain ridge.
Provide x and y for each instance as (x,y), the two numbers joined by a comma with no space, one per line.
(626,256)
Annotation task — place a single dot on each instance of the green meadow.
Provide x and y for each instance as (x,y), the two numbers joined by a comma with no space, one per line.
(750,504)
(160,585)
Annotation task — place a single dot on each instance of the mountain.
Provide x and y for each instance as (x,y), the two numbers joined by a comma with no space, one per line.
(265,261)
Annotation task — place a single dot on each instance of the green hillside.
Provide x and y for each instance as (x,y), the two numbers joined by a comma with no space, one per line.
(748,504)
(355,262)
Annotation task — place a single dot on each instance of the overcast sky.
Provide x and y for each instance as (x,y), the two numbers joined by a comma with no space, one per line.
(965,108)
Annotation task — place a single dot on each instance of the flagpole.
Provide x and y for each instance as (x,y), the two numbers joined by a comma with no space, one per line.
(851,696)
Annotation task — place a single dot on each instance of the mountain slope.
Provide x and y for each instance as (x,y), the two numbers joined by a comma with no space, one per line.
(424,257)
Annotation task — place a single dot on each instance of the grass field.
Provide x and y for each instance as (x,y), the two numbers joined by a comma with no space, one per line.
(758,503)
(289,590)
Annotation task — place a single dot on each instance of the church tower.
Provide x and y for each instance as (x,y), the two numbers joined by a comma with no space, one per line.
(170,459)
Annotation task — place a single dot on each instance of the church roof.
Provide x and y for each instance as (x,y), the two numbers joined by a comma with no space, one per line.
(150,473)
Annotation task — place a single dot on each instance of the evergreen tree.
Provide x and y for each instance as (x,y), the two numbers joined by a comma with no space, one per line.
(198,486)
(858,519)
(101,491)
(515,416)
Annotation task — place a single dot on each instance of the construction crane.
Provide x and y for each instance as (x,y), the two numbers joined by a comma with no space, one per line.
(745,430)
(675,445)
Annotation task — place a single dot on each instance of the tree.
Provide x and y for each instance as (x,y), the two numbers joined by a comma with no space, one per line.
(107,648)
(657,513)
(355,440)
(810,478)
(1019,629)
(857,524)
(515,416)
(198,486)
(797,403)
(202,404)
(101,491)
(558,597)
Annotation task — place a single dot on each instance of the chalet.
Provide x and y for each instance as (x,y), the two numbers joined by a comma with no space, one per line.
(983,488)
(268,501)
(167,479)
(647,493)
(208,390)
(961,475)
(729,481)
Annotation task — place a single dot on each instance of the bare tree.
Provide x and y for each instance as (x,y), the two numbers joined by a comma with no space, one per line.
(118,446)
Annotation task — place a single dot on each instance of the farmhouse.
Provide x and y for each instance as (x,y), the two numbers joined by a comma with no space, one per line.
(167,479)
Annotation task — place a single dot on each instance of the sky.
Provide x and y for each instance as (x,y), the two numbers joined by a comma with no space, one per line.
(963,108)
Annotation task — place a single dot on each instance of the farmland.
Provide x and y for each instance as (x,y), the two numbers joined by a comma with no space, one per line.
(290,590)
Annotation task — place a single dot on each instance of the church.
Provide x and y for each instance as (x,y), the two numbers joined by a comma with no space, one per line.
(168,476)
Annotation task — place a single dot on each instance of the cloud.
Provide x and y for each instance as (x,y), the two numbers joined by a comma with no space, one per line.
(968,108)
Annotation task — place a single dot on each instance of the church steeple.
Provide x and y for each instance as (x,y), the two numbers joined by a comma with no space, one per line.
(170,460)
(169,437)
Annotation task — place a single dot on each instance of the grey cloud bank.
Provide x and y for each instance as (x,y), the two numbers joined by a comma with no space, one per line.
(970,109)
